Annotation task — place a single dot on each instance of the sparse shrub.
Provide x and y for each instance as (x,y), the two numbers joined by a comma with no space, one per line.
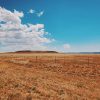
(61,92)
(16,96)
(29,97)
(80,85)
(33,88)
(16,85)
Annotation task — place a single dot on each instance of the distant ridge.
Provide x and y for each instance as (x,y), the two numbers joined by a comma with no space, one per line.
(29,51)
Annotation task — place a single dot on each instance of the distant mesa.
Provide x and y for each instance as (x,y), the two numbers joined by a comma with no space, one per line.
(29,51)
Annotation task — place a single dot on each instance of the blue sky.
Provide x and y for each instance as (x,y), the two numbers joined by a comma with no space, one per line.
(72,25)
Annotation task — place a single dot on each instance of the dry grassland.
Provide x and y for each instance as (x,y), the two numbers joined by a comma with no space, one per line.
(49,77)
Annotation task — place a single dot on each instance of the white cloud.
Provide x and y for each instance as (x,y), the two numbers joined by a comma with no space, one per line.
(8,16)
(31,11)
(40,13)
(14,34)
(19,14)
(66,46)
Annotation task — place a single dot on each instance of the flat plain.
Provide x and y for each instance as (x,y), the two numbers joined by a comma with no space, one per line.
(46,76)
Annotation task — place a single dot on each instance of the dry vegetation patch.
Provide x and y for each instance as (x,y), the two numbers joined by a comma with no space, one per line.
(49,77)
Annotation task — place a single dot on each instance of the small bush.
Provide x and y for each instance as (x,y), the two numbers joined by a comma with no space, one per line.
(29,97)
(16,96)
(80,85)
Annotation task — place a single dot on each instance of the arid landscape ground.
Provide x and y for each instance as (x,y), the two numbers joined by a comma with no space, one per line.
(49,76)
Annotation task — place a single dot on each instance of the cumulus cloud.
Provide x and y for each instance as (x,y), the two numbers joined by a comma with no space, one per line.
(66,46)
(15,34)
(8,16)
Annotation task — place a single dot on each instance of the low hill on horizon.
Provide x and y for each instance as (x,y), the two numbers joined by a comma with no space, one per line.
(29,51)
